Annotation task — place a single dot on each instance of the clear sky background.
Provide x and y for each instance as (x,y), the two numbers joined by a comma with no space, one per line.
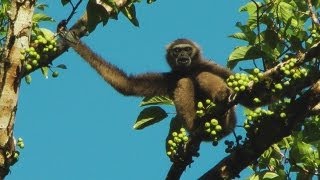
(76,127)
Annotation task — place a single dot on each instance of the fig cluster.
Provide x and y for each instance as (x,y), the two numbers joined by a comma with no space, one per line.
(20,143)
(203,108)
(240,81)
(177,142)
(40,49)
(213,129)
(291,71)
(253,118)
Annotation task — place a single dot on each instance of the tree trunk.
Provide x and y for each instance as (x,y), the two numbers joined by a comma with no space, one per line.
(19,30)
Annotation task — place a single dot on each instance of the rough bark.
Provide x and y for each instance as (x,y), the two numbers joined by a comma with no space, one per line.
(20,22)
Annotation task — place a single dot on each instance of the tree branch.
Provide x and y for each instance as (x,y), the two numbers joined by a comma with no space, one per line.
(79,29)
(243,156)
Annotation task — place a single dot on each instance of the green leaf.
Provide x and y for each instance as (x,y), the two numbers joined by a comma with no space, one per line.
(96,13)
(243,53)
(156,100)
(254,177)
(250,34)
(64,2)
(251,9)
(44,71)
(130,12)
(62,66)
(41,17)
(286,13)
(41,6)
(149,116)
(270,175)
(239,35)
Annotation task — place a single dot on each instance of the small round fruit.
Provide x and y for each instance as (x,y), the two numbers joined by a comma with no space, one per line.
(213,133)
(278,86)
(256,70)
(200,105)
(214,122)
(34,62)
(55,74)
(185,139)
(256,100)
(283,115)
(218,128)
(207,125)
(28,67)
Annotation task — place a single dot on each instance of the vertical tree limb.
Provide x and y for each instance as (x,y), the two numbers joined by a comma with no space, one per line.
(19,30)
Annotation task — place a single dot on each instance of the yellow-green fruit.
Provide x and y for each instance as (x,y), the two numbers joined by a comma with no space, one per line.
(218,128)
(213,132)
(238,76)
(21,145)
(208,101)
(208,130)
(237,89)
(20,139)
(283,115)
(174,134)
(170,142)
(256,70)
(185,139)
(207,125)
(242,88)
(28,67)
(16,155)
(55,74)
(200,105)
(34,62)
(231,77)
(256,100)
(278,86)
(214,122)
(169,153)
(287,72)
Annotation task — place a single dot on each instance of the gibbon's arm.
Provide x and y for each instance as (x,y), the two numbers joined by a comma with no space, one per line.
(217,69)
(149,84)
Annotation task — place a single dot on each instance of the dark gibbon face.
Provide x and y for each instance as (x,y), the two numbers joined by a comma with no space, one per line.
(182,54)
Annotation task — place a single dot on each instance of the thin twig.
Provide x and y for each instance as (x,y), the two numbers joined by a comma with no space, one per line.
(74,8)
(313,15)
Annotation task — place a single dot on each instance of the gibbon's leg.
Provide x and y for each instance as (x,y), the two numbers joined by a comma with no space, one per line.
(184,98)
(215,87)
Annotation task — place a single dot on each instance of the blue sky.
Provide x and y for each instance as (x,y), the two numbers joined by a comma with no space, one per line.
(78,127)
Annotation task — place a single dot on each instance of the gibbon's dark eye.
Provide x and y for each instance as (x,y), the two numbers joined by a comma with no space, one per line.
(187,48)
(176,50)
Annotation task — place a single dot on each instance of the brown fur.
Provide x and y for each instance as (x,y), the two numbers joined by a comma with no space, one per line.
(186,85)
